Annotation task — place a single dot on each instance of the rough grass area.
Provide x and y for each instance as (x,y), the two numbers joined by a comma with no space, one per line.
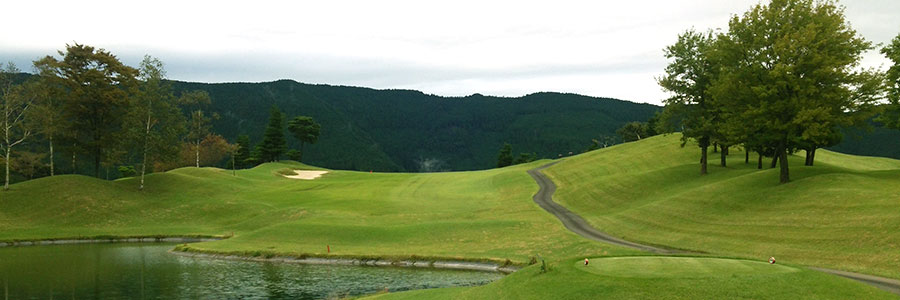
(840,214)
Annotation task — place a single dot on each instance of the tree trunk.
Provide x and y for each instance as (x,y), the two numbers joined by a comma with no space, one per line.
(703,141)
(197,149)
(97,156)
(785,174)
(143,167)
(746,156)
(146,138)
(51,154)
(233,166)
(6,184)
(715,147)
(810,156)
(759,161)
(74,165)
(703,158)
(301,152)
(723,155)
(6,129)
(774,160)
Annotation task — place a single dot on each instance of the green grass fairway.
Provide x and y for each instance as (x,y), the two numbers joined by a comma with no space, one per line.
(678,267)
(465,215)
(843,213)
(654,278)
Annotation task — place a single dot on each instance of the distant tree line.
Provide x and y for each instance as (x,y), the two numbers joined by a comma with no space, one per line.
(409,131)
(86,104)
(784,77)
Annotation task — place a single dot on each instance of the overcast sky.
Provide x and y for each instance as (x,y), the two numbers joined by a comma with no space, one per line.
(450,48)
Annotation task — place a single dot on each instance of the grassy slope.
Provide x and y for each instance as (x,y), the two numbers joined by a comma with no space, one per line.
(841,213)
(469,215)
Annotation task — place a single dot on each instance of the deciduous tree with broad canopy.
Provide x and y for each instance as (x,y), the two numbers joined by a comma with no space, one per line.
(788,75)
(688,77)
(98,88)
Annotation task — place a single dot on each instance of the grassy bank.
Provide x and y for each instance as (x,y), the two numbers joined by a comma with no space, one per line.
(841,213)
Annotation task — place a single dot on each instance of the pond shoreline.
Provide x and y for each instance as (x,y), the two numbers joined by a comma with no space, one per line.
(111,239)
(434,264)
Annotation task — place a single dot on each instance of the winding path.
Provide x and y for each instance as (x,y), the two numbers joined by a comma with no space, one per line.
(577,224)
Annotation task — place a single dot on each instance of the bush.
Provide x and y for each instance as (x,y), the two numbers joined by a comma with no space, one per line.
(127,171)
(293,155)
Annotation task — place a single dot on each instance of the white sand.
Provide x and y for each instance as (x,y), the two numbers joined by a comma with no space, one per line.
(306,175)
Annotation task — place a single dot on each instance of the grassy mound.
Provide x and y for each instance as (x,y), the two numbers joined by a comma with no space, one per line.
(841,213)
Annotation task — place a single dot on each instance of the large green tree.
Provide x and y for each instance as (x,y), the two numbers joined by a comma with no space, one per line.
(273,143)
(688,77)
(305,130)
(891,116)
(98,88)
(14,104)
(159,123)
(788,73)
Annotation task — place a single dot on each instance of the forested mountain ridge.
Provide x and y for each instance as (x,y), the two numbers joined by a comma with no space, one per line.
(404,130)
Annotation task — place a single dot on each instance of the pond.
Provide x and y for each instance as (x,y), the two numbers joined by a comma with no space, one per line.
(147,271)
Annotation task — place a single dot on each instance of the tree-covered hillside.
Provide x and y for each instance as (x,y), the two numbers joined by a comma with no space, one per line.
(403,130)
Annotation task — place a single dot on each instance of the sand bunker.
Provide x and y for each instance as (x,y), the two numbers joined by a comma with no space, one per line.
(306,175)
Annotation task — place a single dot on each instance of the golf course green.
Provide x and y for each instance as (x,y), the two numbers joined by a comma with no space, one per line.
(679,267)
(839,214)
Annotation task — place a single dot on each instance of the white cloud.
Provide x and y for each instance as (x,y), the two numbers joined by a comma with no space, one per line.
(510,48)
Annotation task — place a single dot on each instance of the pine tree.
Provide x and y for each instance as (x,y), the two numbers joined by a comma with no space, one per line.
(505,157)
(273,144)
(243,152)
(306,130)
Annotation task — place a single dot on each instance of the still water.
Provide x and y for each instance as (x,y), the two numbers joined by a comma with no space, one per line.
(147,271)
